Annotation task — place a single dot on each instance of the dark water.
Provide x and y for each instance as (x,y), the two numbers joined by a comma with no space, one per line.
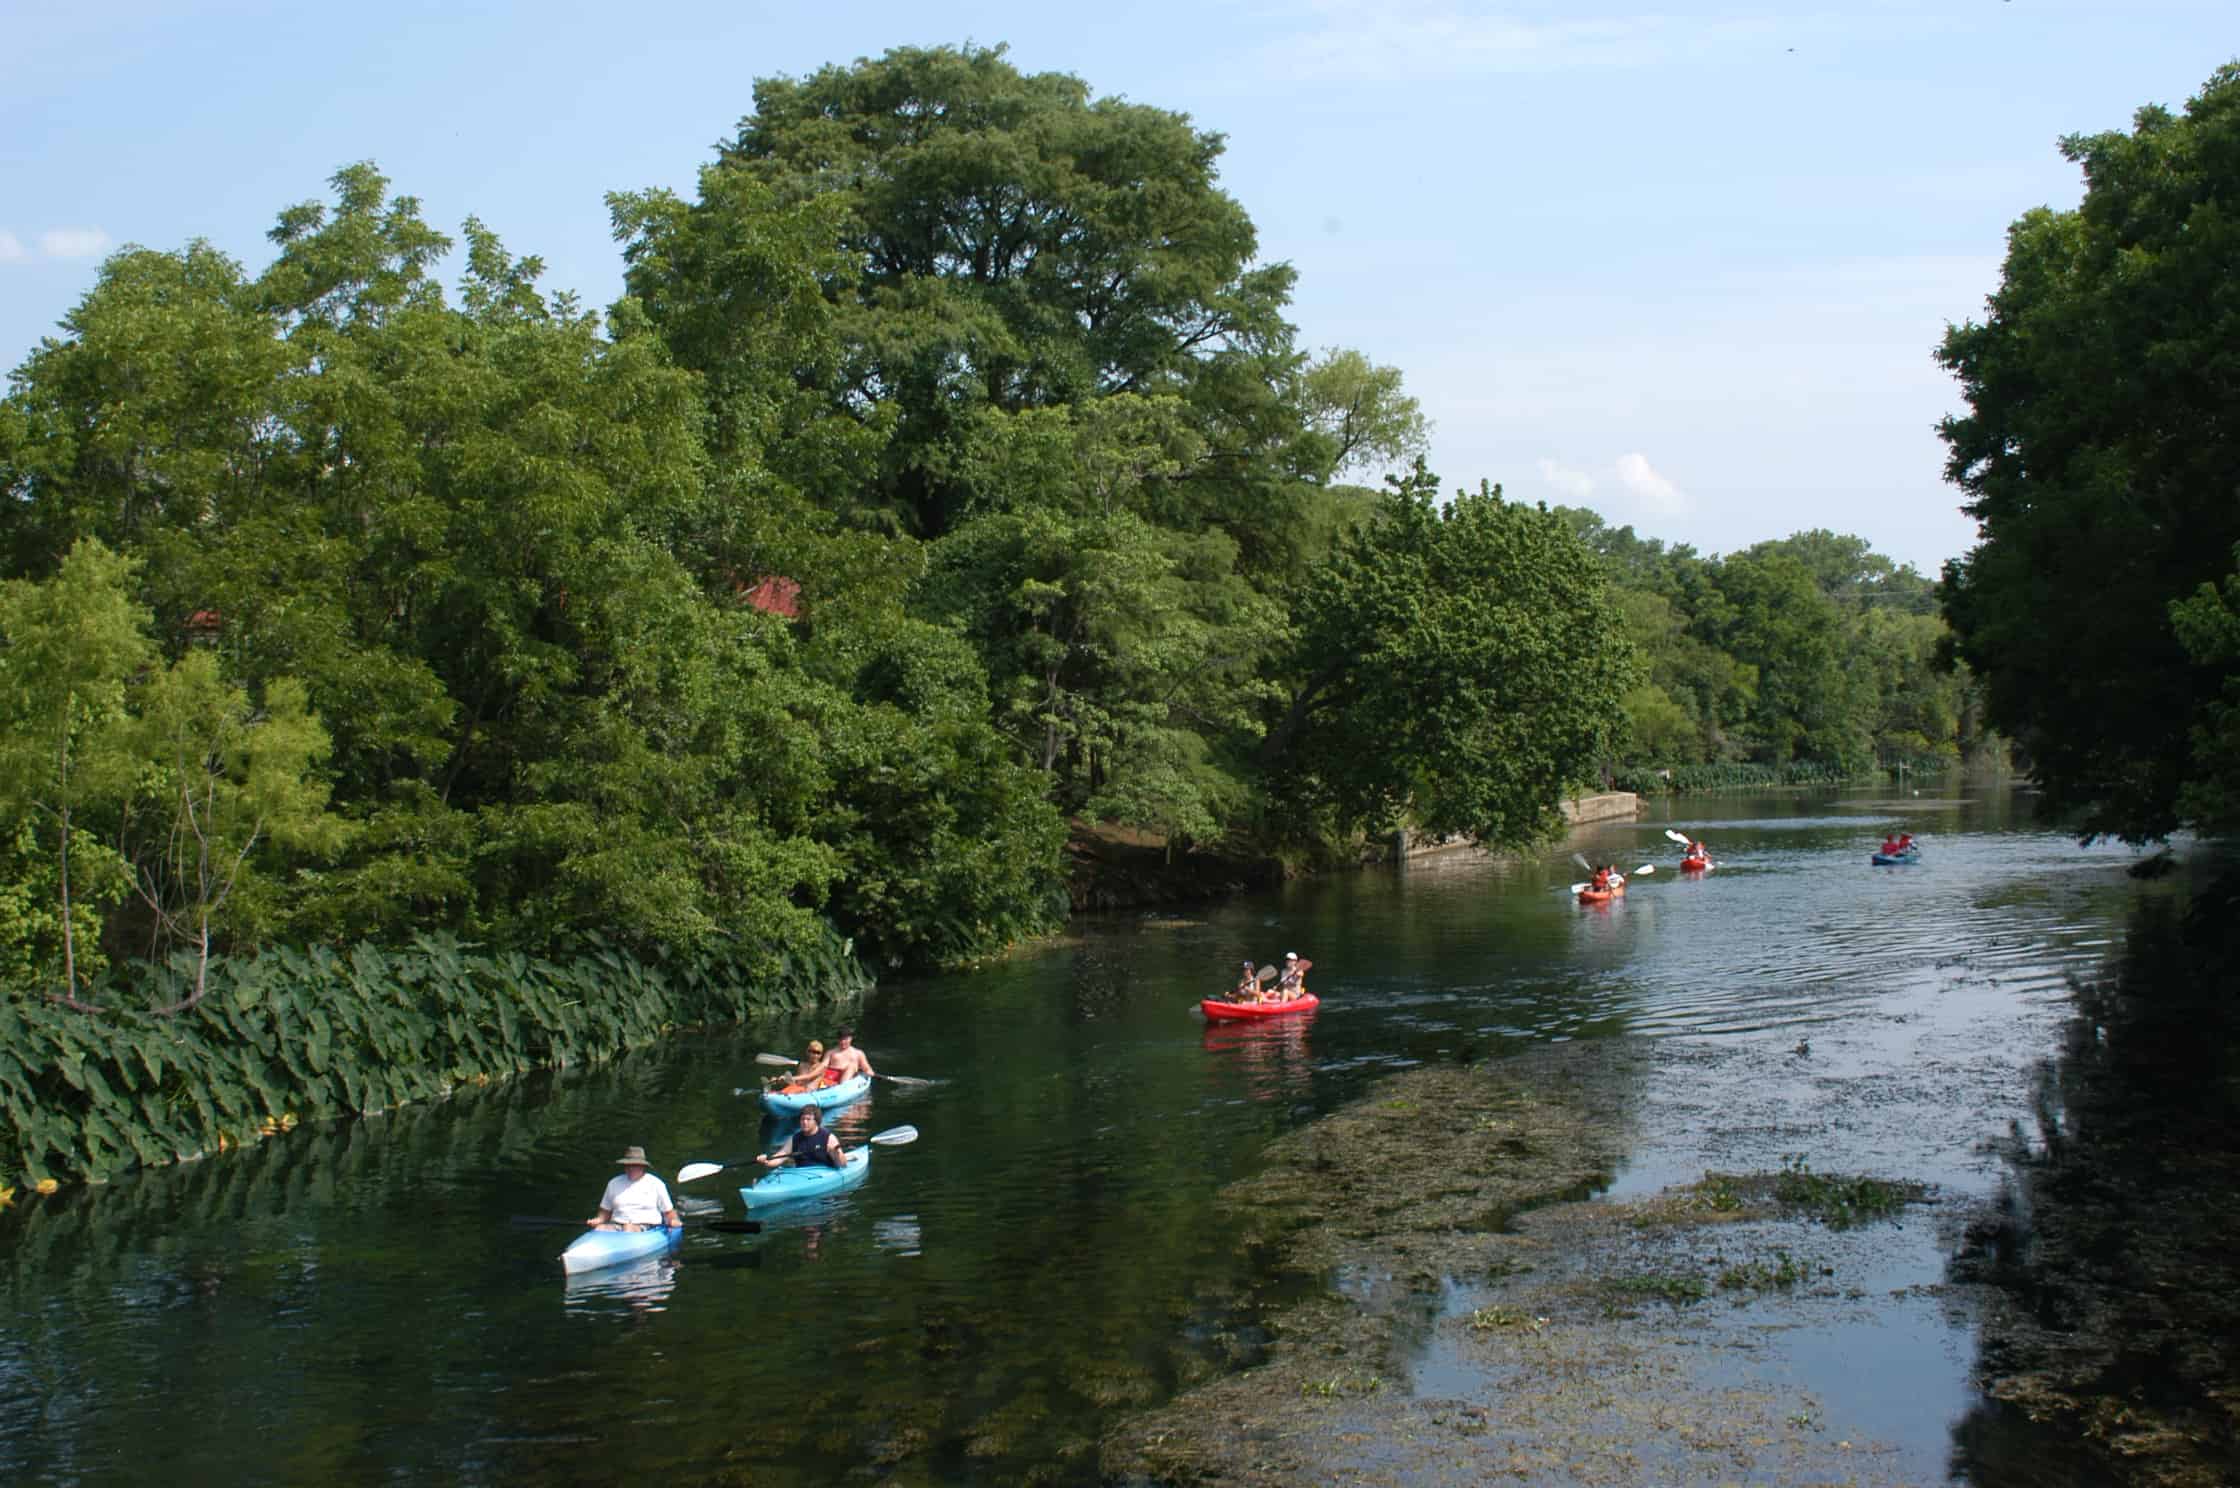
(352,1304)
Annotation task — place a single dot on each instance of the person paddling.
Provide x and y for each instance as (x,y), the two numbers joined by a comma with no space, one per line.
(845,1061)
(810,1146)
(1248,985)
(635,1199)
(1293,982)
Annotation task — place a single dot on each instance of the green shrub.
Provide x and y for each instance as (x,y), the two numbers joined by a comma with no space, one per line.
(295,1035)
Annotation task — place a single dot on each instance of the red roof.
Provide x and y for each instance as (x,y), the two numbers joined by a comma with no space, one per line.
(776,595)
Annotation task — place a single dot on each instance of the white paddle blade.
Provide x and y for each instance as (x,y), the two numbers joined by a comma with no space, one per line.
(1679,837)
(1575,888)
(1645,868)
(691,1171)
(776,1061)
(894,1136)
(1581,860)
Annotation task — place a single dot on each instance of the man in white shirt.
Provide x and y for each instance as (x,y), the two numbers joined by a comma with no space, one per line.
(635,1199)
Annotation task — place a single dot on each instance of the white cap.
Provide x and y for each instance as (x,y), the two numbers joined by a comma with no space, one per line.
(1290,955)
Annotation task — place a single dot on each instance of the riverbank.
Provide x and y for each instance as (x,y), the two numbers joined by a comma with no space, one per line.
(1109,866)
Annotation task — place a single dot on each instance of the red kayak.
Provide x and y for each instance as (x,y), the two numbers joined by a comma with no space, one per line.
(1218,1011)
(1598,896)
(1694,865)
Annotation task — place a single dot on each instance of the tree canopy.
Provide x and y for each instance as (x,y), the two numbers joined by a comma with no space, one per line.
(2097,454)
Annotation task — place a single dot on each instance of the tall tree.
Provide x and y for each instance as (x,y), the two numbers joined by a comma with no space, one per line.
(1456,669)
(2097,455)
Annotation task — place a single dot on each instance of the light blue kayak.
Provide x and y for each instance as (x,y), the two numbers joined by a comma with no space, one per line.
(855,1087)
(595,1250)
(787,1184)
(1887,860)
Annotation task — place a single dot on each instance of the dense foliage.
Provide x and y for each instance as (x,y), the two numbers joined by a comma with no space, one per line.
(293,1036)
(949,469)
(1807,660)
(2097,454)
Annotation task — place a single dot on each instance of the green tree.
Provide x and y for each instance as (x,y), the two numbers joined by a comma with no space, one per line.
(1455,669)
(68,648)
(224,778)
(2096,455)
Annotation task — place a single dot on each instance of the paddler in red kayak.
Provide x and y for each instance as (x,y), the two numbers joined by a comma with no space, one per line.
(1293,982)
(1248,986)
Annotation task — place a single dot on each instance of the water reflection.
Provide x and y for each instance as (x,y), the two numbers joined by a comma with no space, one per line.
(642,1286)
(1272,1054)
(2114,1237)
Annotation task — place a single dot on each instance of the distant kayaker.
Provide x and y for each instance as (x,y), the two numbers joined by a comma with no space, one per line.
(1891,846)
(1293,982)
(846,1061)
(1248,985)
(810,1146)
(635,1199)
(1605,879)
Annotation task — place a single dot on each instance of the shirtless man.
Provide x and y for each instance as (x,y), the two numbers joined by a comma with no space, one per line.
(846,1061)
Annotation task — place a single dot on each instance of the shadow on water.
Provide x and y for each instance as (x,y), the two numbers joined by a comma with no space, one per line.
(2109,1352)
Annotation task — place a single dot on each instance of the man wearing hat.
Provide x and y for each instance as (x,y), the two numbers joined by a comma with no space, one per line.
(635,1199)
(1293,982)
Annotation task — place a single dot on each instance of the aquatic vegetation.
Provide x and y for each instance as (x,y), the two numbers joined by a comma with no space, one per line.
(1676,1287)
(1840,1200)
(1778,1273)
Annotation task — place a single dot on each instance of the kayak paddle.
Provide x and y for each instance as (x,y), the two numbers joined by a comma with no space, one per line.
(1644,870)
(1261,976)
(777,1061)
(893,1136)
(727,1226)
(1679,837)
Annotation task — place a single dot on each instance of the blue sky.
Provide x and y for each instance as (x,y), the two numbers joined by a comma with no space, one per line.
(1685,265)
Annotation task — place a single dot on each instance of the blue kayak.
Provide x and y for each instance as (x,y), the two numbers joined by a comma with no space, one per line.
(594,1250)
(1885,860)
(855,1087)
(787,1184)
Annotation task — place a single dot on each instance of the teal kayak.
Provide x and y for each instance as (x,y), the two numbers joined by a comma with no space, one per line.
(787,1184)
(1886,860)
(855,1087)
(594,1250)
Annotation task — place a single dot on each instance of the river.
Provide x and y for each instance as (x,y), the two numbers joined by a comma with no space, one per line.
(354,1303)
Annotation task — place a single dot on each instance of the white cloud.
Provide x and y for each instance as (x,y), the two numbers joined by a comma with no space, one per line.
(11,247)
(1576,485)
(73,242)
(1650,491)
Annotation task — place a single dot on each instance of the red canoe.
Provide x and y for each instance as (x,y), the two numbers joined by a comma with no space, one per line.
(1694,865)
(1217,1011)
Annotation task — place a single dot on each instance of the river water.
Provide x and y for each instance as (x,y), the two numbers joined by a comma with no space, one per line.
(355,1304)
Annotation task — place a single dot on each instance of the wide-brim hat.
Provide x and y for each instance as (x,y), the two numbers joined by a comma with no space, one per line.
(632,1155)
